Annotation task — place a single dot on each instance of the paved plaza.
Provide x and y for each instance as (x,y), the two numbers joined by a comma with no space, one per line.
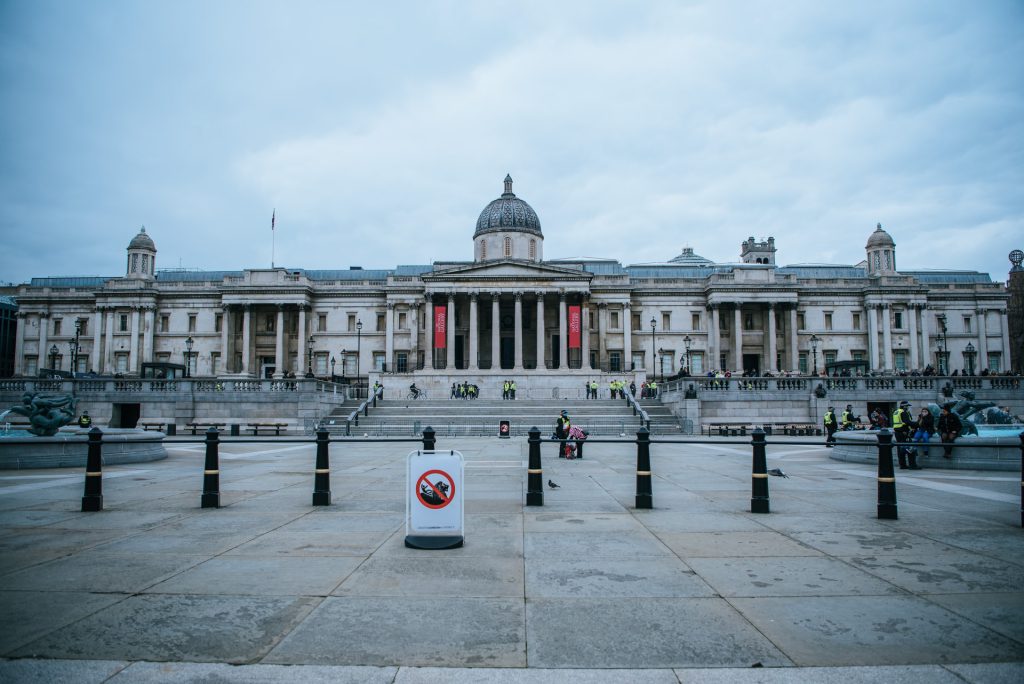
(269,588)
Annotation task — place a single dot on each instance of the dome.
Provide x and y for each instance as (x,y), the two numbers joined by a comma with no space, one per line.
(142,241)
(688,258)
(508,213)
(880,239)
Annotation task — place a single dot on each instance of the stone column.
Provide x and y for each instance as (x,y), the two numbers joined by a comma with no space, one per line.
(19,344)
(246,339)
(389,337)
(133,348)
(713,339)
(982,361)
(518,326)
(108,347)
(737,338)
(912,315)
(302,341)
(773,365)
(279,343)
(926,345)
(1004,329)
(495,330)
(474,334)
(563,326)
(414,334)
(627,337)
(148,328)
(225,349)
(585,332)
(872,311)
(540,331)
(43,361)
(95,364)
(602,332)
(428,330)
(450,329)
(887,337)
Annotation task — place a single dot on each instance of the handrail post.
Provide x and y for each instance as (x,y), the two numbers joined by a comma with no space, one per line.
(93,498)
(211,471)
(429,441)
(759,501)
(366,408)
(886,477)
(534,472)
(322,474)
(644,495)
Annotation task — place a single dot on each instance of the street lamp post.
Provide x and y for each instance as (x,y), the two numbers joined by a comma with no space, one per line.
(344,363)
(188,356)
(687,341)
(332,367)
(661,363)
(943,364)
(359,346)
(53,357)
(969,358)
(309,357)
(75,349)
(654,325)
(814,352)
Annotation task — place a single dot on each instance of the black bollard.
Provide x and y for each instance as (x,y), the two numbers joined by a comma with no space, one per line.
(428,439)
(886,477)
(366,408)
(759,501)
(211,472)
(534,471)
(374,400)
(93,498)
(644,496)
(579,448)
(322,474)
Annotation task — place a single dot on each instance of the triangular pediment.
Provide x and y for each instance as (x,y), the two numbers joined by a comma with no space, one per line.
(505,270)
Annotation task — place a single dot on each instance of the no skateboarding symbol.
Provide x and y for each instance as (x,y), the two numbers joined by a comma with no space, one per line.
(435,489)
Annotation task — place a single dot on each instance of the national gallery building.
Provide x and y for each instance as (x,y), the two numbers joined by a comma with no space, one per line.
(511,313)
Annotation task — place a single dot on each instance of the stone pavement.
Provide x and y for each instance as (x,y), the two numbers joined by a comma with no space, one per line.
(269,588)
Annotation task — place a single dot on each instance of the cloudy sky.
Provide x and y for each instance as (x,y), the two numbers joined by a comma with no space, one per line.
(634,129)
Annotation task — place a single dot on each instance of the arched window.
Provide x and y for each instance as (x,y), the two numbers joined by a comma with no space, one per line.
(533,250)
(135,263)
(145,264)
(483,249)
(508,246)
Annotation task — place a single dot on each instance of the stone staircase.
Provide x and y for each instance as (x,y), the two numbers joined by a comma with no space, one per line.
(480,417)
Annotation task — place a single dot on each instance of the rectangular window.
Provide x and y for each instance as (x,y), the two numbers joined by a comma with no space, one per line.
(293,324)
(721,361)
(995,362)
(828,320)
(748,321)
(214,362)
(899,359)
(56,326)
(320,363)
(723,323)
(123,323)
(801,323)
(696,363)
(270,323)
(897,320)
(238,361)
(351,322)
(165,323)
(163,357)
(82,363)
(695,321)
(402,320)
(218,323)
(666,321)
(614,322)
(378,361)
(321,322)
(31,365)
(380,323)
(830,356)
(191,323)
(856,321)
(121,362)
(967,324)
(402,362)
(590,321)
(615,361)
(634,321)
(803,363)
(638,361)
(83,326)
(857,355)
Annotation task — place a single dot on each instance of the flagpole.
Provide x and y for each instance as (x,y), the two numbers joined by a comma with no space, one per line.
(273,220)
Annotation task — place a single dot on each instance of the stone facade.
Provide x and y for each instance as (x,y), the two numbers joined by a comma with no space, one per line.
(509,312)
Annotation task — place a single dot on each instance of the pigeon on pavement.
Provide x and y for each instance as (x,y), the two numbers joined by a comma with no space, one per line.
(777,472)
(551,483)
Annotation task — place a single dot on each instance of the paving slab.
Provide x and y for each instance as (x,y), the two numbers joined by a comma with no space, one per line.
(788,576)
(186,673)
(259,576)
(422,631)
(880,543)
(433,675)
(593,545)
(882,630)
(29,615)
(613,578)
(1003,613)
(436,575)
(101,572)
(745,544)
(945,573)
(31,671)
(885,674)
(990,673)
(228,629)
(675,632)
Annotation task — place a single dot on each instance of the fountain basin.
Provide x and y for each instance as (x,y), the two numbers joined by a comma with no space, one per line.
(69,449)
(973,452)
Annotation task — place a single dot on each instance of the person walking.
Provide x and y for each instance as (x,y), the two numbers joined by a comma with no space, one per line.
(925,430)
(830,427)
(850,421)
(902,422)
(562,426)
(949,427)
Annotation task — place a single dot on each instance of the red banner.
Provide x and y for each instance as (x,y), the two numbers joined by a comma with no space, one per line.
(440,327)
(574,327)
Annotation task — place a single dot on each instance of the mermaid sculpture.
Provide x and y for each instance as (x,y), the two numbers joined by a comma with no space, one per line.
(46,414)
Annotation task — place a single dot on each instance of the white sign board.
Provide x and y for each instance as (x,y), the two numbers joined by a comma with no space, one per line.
(434,494)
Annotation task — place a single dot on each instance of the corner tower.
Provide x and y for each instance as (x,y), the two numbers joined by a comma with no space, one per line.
(508,228)
(881,253)
(141,257)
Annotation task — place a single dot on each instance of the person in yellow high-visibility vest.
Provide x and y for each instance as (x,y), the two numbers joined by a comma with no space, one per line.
(902,422)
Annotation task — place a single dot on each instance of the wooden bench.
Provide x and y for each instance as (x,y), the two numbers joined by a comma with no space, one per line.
(198,424)
(159,427)
(777,429)
(255,427)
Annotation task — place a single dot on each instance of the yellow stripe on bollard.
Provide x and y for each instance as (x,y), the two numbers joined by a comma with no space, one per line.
(211,472)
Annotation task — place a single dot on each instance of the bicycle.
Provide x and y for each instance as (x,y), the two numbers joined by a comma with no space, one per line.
(422,394)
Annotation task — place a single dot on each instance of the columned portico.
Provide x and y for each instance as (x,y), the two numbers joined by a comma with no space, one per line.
(495,331)
(450,333)
(19,344)
(714,340)
(518,327)
(133,344)
(585,332)
(474,334)
(872,311)
(279,343)
(540,331)
(887,337)
(246,339)
(794,340)
(429,331)
(389,336)
(563,348)
(737,338)
(149,322)
(627,337)
(773,366)
(225,348)
(304,339)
